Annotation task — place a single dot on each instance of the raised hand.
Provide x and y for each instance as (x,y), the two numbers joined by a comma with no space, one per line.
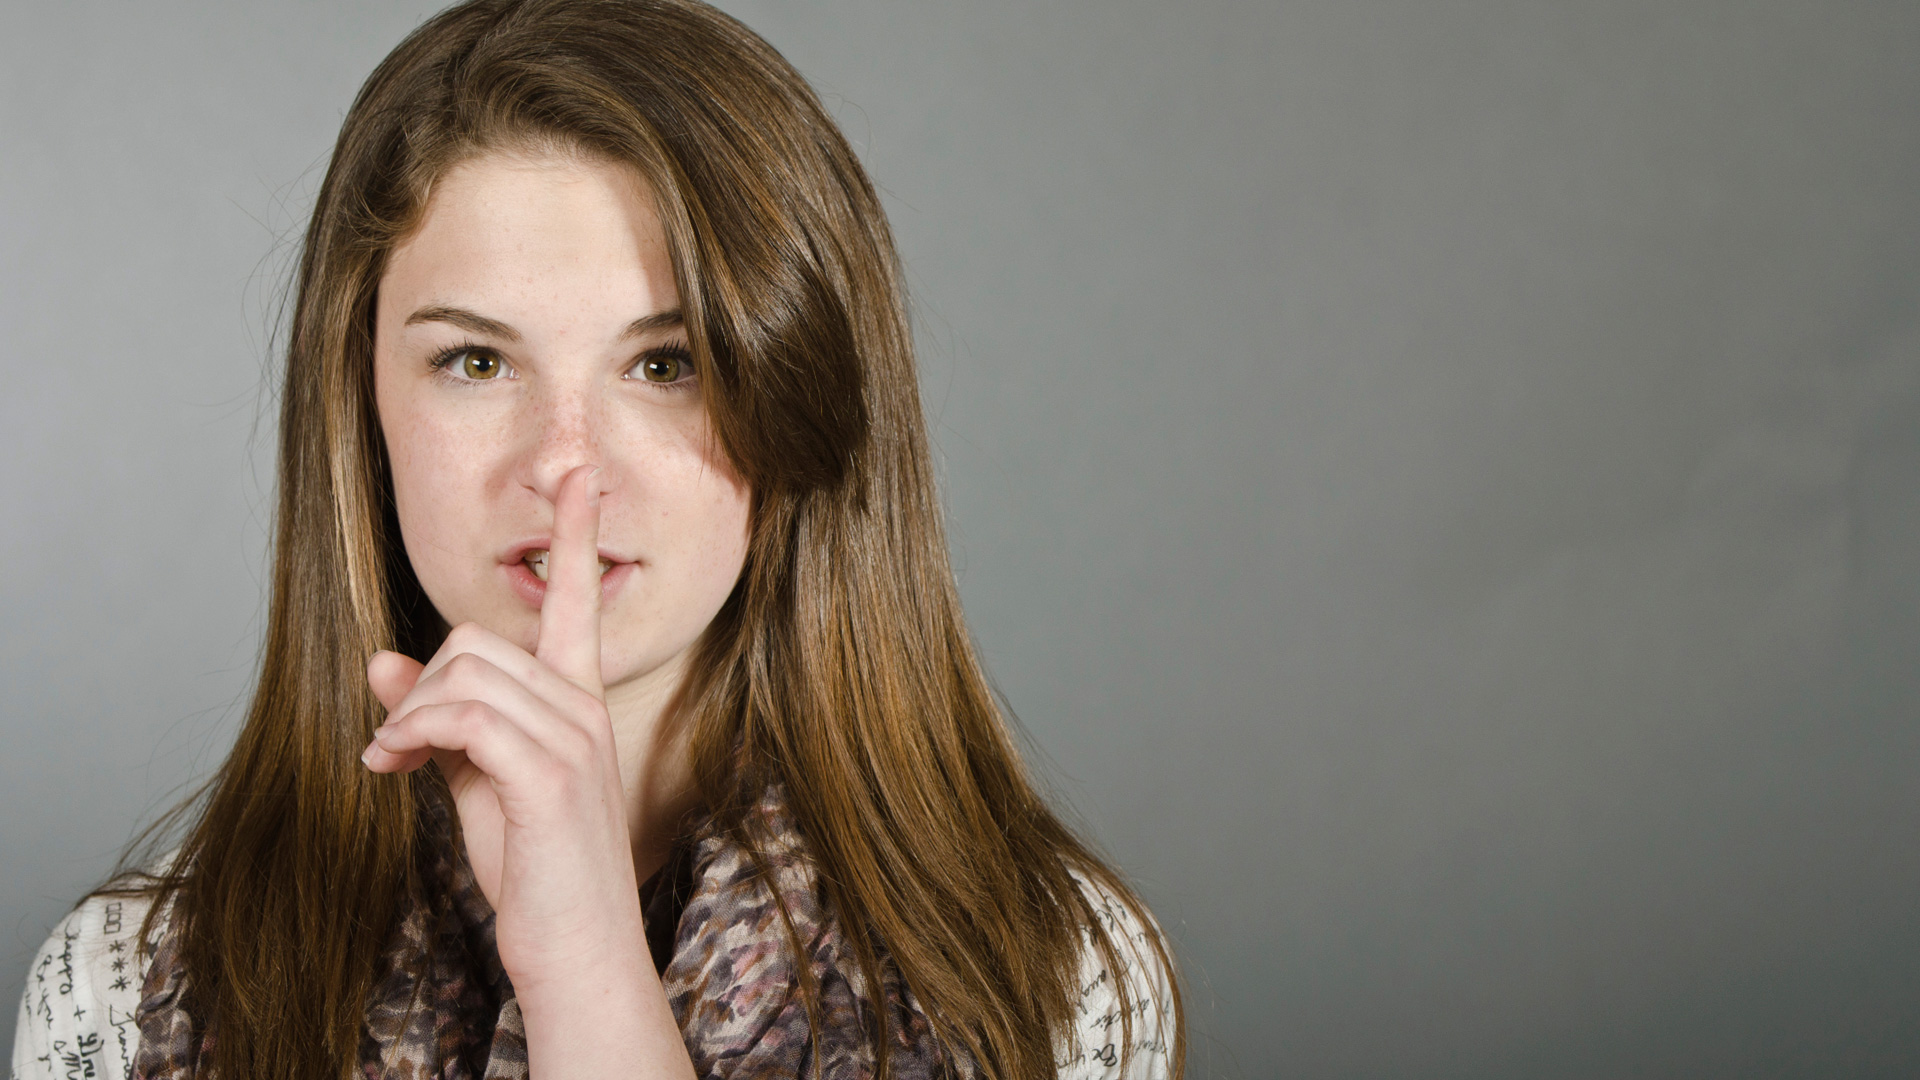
(527,748)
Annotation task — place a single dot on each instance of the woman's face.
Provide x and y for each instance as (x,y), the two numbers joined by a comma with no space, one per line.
(531,325)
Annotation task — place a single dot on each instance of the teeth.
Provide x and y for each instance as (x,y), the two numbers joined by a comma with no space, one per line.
(536,561)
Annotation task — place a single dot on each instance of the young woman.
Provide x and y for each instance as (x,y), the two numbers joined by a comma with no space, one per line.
(600,401)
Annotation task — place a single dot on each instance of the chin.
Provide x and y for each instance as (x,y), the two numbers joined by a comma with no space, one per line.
(622,665)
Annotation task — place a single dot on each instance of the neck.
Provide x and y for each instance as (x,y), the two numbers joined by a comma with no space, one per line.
(650,721)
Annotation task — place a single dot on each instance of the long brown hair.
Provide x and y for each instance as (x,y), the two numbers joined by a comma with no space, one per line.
(839,667)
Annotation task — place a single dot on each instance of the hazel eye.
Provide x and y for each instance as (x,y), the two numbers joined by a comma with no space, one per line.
(666,367)
(475,364)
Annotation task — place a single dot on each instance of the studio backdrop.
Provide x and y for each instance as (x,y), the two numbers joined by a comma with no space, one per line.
(1438,484)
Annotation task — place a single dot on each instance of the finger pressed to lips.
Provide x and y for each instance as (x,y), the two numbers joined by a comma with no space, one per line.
(478,684)
(570,610)
(537,561)
(532,590)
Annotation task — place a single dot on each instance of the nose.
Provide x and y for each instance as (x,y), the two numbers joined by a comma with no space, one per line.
(566,428)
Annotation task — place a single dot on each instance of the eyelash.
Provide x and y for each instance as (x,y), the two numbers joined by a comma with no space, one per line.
(444,359)
(441,361)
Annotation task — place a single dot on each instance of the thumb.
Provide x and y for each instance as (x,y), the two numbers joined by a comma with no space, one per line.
(392,676)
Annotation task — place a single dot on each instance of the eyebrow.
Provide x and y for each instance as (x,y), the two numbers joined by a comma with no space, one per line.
(479,324)
(465,320)
(669,319)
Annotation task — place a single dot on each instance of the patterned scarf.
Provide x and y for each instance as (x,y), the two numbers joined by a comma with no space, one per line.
(444,1008)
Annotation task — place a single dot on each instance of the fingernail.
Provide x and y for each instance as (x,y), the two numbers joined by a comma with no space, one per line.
(366,756)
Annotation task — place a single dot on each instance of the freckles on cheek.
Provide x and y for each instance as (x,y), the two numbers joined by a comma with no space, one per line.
(729,509)
(429,487)
(729,497)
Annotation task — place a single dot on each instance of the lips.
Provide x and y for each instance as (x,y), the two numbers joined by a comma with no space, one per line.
(536,560)
(528,563)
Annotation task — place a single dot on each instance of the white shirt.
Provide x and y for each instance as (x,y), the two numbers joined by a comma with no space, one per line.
(76,1017)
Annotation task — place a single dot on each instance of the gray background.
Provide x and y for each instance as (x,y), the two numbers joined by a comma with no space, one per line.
(1437,481)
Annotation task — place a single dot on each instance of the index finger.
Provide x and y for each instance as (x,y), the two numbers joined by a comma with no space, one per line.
(570,610)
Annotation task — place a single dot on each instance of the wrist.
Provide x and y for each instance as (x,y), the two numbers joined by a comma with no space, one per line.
(584,995)
(579,958)
(606,1019)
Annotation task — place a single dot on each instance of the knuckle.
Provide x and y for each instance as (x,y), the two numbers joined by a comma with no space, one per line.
(552,773)
(594,714)
(465,666)
(574,745)
(475,716)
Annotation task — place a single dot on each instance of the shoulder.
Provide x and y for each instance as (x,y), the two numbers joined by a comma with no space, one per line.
(77,1015)
(1125,1012)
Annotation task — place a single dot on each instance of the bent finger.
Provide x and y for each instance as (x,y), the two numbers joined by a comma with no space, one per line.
(560,693)
(494,744)
(392,676)
(474,677)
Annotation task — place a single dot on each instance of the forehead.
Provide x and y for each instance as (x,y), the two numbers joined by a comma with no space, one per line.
(541,238)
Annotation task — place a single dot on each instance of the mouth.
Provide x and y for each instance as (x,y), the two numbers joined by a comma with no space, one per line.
(536,560)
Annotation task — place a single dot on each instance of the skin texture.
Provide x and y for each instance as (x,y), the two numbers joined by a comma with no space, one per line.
(553,711)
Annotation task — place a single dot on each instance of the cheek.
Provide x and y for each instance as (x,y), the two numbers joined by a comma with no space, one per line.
(709,522)
(436,488)
(714,555)
(689,514)
(727,511)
